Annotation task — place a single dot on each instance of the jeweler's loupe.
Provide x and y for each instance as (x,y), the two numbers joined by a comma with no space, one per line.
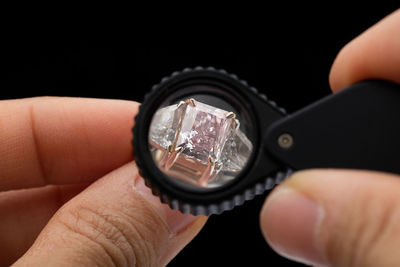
(205,141)
(201,138)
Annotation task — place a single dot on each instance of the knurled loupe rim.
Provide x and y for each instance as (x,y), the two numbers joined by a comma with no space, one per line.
(184,204)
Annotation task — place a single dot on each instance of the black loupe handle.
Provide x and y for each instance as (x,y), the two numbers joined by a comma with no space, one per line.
(357,128)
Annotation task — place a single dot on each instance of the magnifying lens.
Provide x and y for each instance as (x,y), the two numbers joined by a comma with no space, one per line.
(205,141)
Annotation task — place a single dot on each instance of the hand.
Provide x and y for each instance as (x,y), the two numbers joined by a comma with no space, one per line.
(68,194)
(343,217)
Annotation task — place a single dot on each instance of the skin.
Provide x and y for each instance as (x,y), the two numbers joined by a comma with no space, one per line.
(70,194)
(343,217)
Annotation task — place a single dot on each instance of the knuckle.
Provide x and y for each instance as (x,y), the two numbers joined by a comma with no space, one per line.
(119,239)
(100,234)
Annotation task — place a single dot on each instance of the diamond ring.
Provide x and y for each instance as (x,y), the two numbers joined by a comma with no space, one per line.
(198,143)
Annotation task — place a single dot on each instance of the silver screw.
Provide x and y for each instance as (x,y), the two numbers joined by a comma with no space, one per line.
(285,141)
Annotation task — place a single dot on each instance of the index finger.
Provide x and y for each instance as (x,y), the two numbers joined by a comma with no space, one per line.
(51,140)
(375,54)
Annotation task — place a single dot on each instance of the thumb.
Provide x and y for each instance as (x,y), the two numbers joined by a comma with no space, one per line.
(335,218)
(114,222)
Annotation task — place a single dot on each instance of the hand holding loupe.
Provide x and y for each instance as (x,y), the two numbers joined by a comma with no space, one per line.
(205,141)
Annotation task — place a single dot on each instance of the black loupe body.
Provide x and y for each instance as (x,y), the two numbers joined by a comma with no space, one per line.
(205,141)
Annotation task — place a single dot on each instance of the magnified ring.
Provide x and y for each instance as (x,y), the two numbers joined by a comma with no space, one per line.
(199,143)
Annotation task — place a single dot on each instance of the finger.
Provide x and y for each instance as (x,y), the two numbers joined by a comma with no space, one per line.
(336,218)
(115,221)
(375,54)
(24,213)
(62,140)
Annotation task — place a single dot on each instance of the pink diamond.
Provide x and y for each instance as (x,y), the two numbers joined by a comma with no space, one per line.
(203,132)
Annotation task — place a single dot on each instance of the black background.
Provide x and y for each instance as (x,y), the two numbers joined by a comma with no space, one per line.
(288,60)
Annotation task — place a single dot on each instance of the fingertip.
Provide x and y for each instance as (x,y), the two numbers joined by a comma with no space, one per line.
(373,54)
(318,214)
(289,222)
(340,74)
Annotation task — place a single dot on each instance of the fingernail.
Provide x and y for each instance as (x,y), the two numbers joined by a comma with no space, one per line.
(291,224)
(175,220)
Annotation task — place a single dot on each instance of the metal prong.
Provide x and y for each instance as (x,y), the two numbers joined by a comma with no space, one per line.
(164,159)
(180,104)
(191,102)
(180,148)
(230,115)
(173,155)
(235,124)
(166,156)
(218,166)
(205,177)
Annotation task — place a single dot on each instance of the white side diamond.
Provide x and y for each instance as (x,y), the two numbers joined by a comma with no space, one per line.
(161,130)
